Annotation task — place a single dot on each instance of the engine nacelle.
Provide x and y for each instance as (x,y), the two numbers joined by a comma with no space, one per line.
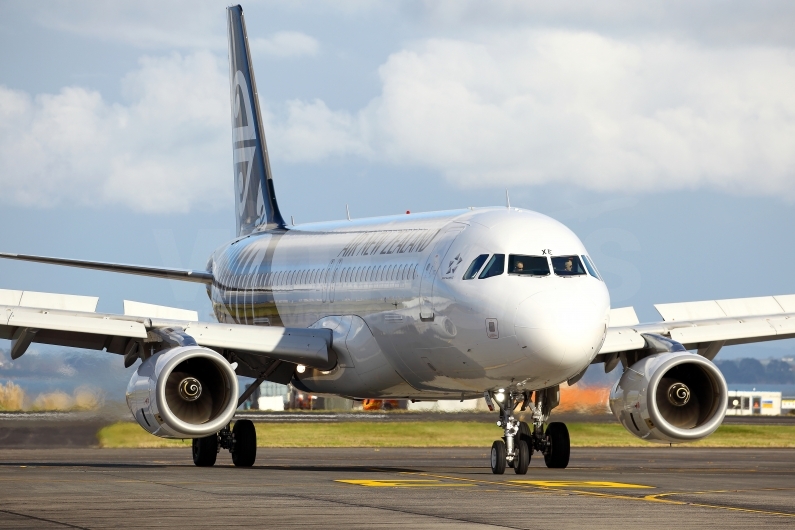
(670,398)
(185,392)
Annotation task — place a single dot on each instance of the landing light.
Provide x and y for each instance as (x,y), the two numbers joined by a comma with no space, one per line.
(300,368)
(500,397)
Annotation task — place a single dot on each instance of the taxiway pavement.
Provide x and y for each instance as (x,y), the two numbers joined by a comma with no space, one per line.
(659,487)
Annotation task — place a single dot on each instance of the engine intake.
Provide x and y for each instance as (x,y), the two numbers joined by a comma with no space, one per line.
(185,392)
(670,398)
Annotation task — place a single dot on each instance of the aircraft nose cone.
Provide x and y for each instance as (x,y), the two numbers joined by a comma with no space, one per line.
(559,328)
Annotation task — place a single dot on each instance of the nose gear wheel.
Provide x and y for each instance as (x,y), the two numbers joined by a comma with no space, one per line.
(520,439)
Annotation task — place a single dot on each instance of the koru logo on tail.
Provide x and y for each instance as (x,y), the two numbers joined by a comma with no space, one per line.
(243,132)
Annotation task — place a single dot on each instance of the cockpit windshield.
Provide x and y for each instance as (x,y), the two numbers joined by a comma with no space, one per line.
(494,267)
(567,266)
(528,265)
(475,266)
(591,267)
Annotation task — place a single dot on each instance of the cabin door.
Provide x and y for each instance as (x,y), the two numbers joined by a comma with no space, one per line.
(431,268)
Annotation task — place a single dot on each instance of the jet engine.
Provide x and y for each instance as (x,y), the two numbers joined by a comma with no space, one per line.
(184,392)
(670,398)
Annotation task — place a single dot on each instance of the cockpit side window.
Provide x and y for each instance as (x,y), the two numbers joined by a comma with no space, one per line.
(528,265)
(475,266)
(591,267)
(568,266)
(494,267)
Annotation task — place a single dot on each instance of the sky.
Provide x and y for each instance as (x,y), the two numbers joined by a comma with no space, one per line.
(662,133)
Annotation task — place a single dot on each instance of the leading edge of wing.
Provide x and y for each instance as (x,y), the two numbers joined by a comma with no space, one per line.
(185,275)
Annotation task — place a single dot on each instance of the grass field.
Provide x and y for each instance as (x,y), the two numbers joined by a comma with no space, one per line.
(443,434)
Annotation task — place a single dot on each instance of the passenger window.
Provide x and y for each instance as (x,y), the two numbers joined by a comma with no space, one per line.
(475,266)
(590,266)
(494,267)
(567,266)
(528,265)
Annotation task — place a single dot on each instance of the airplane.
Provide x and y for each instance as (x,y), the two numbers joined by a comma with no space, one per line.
(501,303)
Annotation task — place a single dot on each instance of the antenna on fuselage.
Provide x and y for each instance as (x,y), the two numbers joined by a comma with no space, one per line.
(507,199)
(292,220)
(347,211)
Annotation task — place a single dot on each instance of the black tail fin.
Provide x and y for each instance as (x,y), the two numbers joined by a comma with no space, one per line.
(255,199)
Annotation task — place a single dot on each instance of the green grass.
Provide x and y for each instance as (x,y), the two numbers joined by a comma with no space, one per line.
(444,434)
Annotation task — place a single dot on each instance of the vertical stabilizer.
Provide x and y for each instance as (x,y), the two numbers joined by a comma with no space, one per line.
(255,199)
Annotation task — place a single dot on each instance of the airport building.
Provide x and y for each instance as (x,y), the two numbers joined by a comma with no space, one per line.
(754,403)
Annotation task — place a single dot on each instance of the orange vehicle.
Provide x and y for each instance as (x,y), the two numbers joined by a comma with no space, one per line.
(380,404)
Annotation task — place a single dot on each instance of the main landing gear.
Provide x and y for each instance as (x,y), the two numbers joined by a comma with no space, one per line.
(520,439)
(241,441)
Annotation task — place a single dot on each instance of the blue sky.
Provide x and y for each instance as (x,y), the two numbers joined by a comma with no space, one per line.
(663,133)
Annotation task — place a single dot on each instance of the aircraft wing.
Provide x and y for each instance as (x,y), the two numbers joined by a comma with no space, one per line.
(705,326)
(28,317)
(184,275)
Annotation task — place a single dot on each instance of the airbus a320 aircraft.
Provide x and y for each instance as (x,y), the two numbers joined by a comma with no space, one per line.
(500,303)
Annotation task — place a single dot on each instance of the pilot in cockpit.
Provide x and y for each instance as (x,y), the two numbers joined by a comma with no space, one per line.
(518,267)
(568,265)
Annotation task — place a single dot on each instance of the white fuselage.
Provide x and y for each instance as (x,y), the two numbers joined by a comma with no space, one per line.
(406,323)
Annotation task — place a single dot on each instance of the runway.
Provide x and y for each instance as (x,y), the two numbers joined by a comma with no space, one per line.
(390,488)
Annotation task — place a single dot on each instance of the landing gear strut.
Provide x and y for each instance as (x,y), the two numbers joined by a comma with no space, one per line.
(520,439)
(241,441)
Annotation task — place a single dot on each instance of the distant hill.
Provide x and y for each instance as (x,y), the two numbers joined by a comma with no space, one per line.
(736,371)
(750,371)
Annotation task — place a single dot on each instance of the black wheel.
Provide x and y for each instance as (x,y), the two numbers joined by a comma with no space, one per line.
(560,448)
(245,451)
(498,457)
(527,435)
(522,459)
(205,450)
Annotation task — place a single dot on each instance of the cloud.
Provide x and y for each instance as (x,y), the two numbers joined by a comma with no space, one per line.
(519,106)
(709,21)
(165,149)
(147,24)
(537,106)
(285,44)
(311,132)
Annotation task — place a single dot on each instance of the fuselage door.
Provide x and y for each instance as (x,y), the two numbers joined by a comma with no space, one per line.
(431,269)
(328,280)
(332,281)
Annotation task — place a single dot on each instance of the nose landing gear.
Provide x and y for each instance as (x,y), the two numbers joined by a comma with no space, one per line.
(520,440)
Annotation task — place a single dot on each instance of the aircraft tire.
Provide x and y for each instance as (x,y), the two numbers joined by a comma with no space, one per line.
(526,434)
(560,446)
(522,459)
(498,454)
(245,451)
(205,450)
